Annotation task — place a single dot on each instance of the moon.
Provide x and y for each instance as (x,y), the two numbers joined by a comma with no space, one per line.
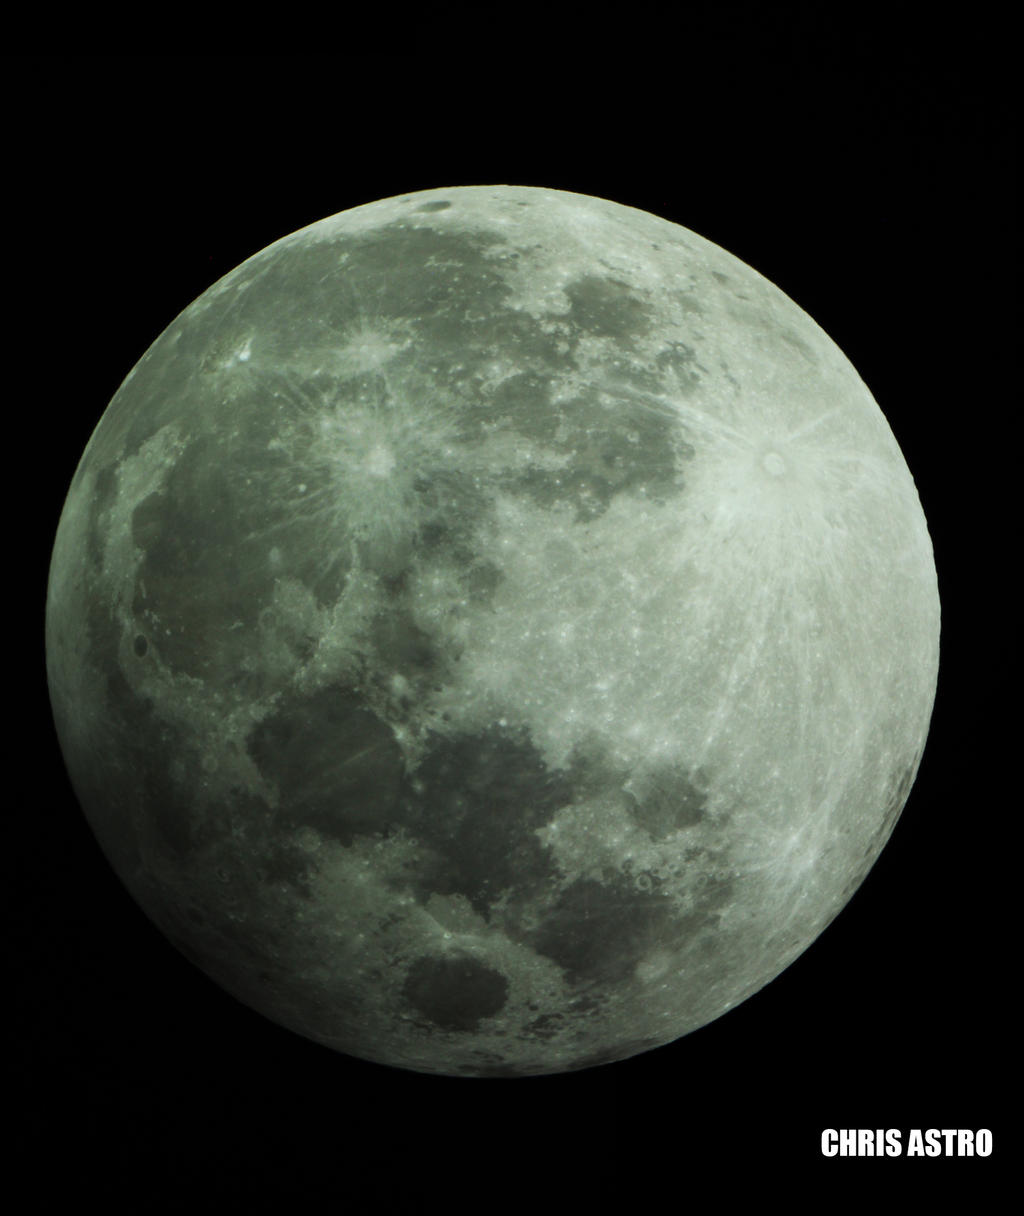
(492,631)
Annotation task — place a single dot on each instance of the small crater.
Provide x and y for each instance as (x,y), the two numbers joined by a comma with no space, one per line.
(455,993)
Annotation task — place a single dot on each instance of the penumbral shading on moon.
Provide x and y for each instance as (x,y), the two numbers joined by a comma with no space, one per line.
(492,631)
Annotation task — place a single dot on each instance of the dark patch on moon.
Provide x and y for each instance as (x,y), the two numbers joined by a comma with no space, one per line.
(477,802)
(451,507)
(798,344)
(140,646)
(608,308)
(455,993)
(146,796)
(401,644)
(770,331)
(439,205)
(688,304)
(597,929)
(547,1026)
(483,580)
(631,449)
(198,578)
(436,279)
(665,799)
(592,771)
(524,402)
(104,489)
(284,862)
(433,535)
(680,359)
(335,764)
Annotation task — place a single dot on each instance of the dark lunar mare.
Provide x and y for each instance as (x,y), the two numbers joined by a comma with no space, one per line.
(474,806)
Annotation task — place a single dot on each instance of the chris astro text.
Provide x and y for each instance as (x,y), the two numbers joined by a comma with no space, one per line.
(917,1142)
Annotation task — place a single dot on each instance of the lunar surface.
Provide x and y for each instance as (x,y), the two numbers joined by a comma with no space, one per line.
(492,631)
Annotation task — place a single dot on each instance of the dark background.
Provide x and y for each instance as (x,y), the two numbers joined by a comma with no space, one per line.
(864,170)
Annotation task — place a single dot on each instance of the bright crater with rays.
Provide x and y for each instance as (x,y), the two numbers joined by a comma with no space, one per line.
(492,631)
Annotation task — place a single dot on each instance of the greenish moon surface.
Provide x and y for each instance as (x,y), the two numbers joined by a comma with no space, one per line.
(492,631)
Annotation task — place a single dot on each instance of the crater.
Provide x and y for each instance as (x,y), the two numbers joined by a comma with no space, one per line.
(607,308)
(455,993)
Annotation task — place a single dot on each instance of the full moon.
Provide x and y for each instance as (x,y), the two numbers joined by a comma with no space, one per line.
(492,631)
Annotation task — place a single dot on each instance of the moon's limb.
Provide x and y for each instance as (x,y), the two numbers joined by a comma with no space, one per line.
(492,631)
